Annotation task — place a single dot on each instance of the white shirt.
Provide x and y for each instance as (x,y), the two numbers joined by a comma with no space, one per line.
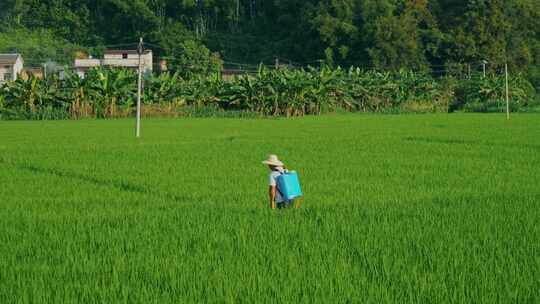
(273,182)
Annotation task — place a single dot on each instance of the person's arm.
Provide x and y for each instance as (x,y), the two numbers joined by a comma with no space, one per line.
(272,194)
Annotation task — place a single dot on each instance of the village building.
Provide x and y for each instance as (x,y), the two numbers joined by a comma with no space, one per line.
(11,65)
(116,58)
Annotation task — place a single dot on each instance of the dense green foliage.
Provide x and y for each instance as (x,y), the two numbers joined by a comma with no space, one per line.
(283,92)
(398,209)
(38,46)
(389,34)
(488,94)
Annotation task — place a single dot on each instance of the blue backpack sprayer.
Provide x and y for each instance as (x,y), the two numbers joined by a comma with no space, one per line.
(288,185)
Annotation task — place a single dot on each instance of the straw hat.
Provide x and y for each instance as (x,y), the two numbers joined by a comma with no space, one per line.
(273,161)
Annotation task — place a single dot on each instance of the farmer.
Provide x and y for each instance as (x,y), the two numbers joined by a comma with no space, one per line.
(276,169)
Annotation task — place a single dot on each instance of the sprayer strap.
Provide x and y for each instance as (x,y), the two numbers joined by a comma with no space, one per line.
(277,186)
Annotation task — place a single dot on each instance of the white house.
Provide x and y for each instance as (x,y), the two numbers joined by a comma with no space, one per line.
(116,58)
(11,65)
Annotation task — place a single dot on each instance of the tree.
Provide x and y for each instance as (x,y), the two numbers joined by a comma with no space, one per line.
(184,52)
(402,35)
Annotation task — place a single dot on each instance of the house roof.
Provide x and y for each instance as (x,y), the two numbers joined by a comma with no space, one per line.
(119,52)
(9,58)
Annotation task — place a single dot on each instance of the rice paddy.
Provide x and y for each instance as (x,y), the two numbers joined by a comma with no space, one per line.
(397,209)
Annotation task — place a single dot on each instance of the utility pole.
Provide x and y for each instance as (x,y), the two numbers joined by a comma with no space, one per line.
(140,50)
(507,92)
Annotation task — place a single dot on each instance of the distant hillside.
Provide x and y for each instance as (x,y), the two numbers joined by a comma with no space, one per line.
(416,34)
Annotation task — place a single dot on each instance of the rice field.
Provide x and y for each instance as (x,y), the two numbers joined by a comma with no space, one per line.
(397,209)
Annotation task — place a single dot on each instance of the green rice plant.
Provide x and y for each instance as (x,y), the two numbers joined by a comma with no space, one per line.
(397,209)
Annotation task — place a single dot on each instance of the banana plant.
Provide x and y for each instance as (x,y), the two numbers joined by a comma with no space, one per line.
(111,88)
